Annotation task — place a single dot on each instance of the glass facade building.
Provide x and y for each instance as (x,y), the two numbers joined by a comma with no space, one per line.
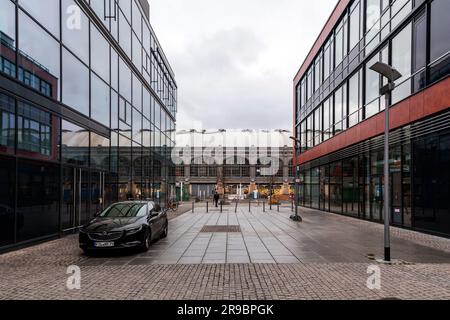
(339,121)
(88,105)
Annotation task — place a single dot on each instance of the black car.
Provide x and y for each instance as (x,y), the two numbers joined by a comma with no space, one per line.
(131,224)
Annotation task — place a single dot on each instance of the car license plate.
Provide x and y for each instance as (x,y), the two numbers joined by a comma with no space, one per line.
(104,244)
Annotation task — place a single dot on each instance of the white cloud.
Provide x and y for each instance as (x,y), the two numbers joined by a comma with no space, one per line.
(235,60)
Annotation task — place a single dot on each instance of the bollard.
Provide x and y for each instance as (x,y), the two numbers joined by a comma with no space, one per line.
(193,207)
(292,206)
(235,209)
(207,207)
(264,206)
(221,207)
(270,205)
(250,206)
(278,207)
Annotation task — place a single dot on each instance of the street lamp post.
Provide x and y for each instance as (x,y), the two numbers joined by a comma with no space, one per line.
(296,216)
(392,75)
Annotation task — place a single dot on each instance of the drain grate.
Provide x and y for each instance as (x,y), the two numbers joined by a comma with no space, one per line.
(212,229)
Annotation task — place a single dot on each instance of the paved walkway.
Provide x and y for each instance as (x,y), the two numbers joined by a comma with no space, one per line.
(271,257)
(271,237)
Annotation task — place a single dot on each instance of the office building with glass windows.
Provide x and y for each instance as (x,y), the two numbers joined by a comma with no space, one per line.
(88,106)
(339,118)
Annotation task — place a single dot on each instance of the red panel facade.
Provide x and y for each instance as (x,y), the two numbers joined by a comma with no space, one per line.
(421,105)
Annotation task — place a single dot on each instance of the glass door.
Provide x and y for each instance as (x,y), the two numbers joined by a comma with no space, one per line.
(75,210)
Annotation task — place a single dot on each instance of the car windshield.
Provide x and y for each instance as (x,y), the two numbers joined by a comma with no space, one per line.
(127,210)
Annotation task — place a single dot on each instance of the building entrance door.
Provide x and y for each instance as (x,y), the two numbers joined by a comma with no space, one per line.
(75,209)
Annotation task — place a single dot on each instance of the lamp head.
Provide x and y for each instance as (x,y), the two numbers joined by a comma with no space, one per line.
(386,71)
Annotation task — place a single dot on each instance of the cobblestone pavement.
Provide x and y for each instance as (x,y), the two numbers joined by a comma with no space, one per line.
(271,258)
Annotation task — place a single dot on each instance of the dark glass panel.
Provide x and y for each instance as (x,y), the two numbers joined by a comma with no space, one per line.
(420,51)
(440,28)
(7,216)
(336,187)
(350,187)
(38,193)
(439,43)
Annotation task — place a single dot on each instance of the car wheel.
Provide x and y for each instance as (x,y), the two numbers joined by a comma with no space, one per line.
(165,231)
(147,241)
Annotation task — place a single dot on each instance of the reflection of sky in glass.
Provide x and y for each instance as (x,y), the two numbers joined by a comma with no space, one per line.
(100,101)
(75,84)
(75,39)
(38,44)
(44,11)
(7,25)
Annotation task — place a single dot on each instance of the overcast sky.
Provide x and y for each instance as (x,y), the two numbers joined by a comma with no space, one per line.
(235,60)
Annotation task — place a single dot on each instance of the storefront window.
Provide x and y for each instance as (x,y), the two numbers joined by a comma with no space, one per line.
(38,194)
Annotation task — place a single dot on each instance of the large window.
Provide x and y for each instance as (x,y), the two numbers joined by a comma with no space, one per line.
(355,25)
(317,126)
(373,105)
(401,60)
(99,100)
(439,43)
(340,109)
(100,55)
(76,37)
(328,119)
(420,51)
(354,99)
(41,50)
(7,39)
(46,12)
(373,14)
(75,91)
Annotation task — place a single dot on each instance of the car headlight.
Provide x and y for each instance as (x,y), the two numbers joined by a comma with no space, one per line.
(134,230)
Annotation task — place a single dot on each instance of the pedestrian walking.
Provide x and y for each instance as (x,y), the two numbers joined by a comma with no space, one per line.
(216,199)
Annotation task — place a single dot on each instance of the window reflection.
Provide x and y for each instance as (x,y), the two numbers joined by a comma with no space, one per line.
(99,100)
(33,129)
(100,54)
(75,91)
(39,58)
(74,144)
(99,152)
(7,123)
(75,37)
(44,11)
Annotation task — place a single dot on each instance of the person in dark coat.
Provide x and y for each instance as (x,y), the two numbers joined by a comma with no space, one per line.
(216,199)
